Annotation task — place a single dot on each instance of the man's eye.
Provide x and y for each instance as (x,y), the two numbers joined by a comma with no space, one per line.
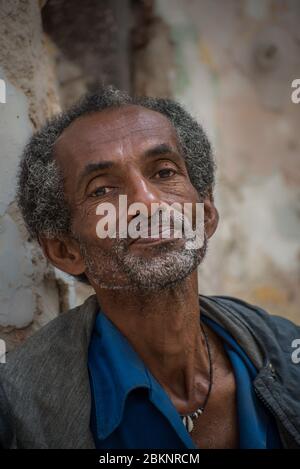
(100,191)
(164,173)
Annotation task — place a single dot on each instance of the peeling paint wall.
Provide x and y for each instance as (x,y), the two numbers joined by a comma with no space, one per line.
(29,291)
(234,62)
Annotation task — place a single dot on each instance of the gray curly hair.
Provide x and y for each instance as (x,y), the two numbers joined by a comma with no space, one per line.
(40,182)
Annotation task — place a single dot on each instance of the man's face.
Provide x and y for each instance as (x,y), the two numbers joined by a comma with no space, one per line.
(128,151)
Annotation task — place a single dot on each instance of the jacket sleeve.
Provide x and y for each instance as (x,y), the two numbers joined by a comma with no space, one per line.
(7,433)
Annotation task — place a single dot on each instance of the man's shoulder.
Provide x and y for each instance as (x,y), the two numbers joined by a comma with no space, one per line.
(44,384)
(65,335)
(263,335)
(254,314)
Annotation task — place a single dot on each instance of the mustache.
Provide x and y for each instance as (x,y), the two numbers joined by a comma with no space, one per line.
(163,221)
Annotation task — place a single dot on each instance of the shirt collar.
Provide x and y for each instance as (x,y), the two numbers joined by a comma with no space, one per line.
(115,370)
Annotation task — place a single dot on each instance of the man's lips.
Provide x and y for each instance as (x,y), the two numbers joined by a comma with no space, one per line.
(155,240)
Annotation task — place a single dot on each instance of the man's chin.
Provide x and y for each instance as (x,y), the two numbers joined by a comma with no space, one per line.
(162,268)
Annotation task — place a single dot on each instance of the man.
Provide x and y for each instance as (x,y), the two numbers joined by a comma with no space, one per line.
(145,362)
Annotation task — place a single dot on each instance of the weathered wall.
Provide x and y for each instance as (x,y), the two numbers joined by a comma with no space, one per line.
(234,62)
(29,292)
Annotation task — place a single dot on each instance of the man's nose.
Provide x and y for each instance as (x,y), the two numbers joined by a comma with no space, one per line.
(142,191)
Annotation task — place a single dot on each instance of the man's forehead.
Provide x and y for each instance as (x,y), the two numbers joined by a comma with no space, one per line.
(101,129)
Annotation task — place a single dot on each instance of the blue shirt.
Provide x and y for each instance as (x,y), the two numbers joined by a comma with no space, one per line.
(130,409)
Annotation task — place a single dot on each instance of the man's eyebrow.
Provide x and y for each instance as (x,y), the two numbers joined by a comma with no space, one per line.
(93,167)
(159,150)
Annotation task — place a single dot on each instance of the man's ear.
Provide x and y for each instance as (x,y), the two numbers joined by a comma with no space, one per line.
(211,215)
(63,253)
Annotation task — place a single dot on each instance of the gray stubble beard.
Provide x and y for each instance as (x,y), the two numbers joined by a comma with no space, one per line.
(166,268)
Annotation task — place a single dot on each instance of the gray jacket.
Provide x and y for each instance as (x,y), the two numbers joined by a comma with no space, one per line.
(45,399)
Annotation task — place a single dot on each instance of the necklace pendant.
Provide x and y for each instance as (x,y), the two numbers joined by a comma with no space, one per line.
(188,423)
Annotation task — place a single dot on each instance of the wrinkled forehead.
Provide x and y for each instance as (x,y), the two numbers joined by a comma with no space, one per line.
(102,132)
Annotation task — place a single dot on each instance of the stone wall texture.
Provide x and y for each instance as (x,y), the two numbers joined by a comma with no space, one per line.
(29,291)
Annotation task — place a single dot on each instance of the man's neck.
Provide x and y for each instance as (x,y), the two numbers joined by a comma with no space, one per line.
(164,329)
